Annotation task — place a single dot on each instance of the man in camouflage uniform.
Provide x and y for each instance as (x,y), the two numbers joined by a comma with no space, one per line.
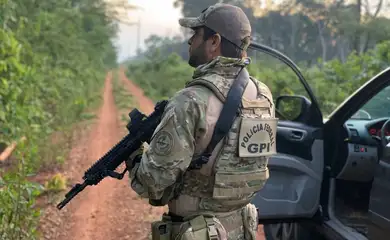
(212,202)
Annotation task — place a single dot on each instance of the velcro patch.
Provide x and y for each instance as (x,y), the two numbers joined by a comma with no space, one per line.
(163,143)
(257,137)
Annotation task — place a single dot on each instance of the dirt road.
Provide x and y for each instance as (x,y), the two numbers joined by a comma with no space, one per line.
(110,210)
(144,103)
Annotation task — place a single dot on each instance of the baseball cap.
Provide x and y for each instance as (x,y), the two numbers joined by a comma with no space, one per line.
(228,20)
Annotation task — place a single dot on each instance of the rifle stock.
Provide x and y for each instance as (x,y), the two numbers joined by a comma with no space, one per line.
(141,129)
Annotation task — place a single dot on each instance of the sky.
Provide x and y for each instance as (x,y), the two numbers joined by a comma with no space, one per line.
(157,17)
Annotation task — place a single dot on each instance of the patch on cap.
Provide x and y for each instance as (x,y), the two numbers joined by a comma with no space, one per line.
(190,22)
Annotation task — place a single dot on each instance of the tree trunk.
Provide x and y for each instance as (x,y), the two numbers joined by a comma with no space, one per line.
(356,40)
(322,39)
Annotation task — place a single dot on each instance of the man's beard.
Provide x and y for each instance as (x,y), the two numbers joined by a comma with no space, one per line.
(198,56)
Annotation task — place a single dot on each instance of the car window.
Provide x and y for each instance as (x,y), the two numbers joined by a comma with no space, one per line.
(376,107)
(279,78)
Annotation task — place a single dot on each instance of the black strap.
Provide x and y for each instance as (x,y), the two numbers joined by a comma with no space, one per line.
(226,118)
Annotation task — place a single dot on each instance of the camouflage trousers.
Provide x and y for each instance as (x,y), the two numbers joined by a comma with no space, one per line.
(236,225)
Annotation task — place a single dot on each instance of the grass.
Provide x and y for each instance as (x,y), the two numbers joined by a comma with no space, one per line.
(123,99)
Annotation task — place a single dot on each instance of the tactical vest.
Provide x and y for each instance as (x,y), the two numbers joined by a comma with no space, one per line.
(240,159)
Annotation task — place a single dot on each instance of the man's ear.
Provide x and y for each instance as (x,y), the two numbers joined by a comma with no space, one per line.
(215,42)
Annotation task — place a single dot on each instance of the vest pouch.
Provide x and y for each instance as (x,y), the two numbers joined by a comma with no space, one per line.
(251,221)
(162,230)
(236,184)
(236,178)
(201,228)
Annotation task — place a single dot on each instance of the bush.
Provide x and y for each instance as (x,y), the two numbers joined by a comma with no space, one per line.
(53,58)
(160,77)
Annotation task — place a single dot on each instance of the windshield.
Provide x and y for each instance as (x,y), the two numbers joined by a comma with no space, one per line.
(376,107)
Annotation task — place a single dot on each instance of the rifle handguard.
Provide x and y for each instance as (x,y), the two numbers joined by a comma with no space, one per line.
(141,129)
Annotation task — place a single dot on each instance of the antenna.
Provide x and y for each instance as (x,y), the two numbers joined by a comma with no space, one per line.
(138,33)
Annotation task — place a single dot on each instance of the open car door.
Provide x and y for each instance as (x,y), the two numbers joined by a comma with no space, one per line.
(366,114)
(296,171)
(304,170)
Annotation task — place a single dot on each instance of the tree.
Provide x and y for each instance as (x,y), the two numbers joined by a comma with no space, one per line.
(54,56)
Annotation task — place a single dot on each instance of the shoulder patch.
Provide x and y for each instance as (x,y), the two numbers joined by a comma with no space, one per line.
(164,143)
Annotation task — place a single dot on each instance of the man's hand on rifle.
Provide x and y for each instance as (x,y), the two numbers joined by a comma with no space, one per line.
(134,158)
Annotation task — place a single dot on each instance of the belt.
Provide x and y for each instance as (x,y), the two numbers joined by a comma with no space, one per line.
(229,221)
(175,218)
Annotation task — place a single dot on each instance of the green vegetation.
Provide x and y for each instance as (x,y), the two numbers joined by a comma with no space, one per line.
(53,59)
(123,99)
(331,81)
(160,76)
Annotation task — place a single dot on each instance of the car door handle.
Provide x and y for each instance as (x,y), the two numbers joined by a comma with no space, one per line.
(296,135)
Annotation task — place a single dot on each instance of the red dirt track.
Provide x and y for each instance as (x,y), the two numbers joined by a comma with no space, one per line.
(110,210)
(145,104)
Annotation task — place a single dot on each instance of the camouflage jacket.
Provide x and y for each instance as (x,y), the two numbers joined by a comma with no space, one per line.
(185,130)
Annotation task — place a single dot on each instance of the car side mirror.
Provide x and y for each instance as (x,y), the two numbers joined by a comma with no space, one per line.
(292,108)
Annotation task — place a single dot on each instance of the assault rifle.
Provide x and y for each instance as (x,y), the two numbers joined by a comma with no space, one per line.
(141,129)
